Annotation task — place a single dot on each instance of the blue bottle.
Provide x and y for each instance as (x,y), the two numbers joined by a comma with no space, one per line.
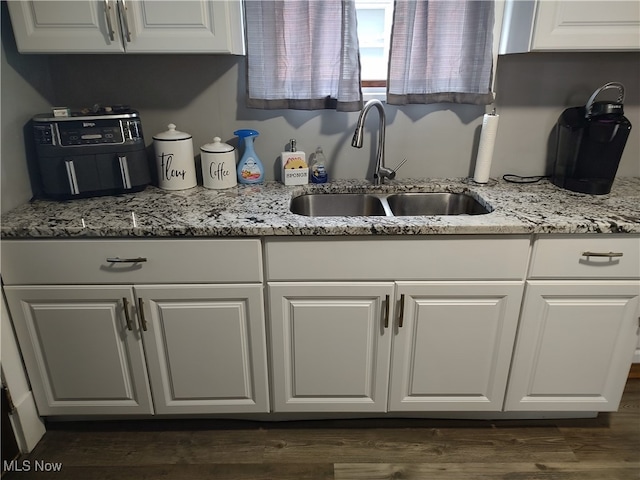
(250,169)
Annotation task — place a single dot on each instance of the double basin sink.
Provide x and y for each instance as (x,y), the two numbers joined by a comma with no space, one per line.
(386,204)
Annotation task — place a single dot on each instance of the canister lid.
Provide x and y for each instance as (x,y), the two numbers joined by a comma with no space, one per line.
(172,134)
(218,146)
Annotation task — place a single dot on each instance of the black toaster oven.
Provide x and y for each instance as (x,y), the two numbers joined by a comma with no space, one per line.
(91,154)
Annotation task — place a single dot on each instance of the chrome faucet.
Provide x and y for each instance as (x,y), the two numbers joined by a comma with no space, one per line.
(381,172)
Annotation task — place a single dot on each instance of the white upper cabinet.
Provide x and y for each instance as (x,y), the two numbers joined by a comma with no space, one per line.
(570,25)
(141,26)
(72,27)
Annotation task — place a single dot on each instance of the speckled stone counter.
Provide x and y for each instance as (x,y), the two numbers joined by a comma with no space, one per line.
(263,210)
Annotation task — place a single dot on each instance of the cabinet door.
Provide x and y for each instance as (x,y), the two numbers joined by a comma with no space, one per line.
(574,346)
(65,26)
(185,26)
(452,345)
(81,357)
(587,25)
(206,347)
(140,26)
(330,346)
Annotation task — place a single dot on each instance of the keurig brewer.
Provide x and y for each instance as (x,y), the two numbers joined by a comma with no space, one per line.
(590,141)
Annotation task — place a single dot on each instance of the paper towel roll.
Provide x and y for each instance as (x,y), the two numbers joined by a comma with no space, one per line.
(485,148)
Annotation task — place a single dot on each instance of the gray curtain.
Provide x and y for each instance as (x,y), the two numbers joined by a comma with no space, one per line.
(441,51)
(302,55)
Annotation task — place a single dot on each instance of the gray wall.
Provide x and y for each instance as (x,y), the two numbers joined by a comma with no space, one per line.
(25,85)
(203,95)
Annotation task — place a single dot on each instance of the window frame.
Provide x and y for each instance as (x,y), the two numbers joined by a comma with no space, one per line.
(387,6)
(377,89)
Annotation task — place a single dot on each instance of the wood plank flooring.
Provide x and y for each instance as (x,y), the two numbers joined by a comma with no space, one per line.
(604,448)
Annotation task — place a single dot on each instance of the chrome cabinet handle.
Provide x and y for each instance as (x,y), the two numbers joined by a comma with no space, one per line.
(126,260)
(127,317)
(602,254)
(107,13)
(401,315)
(125,20)
(386,311)
(143,320)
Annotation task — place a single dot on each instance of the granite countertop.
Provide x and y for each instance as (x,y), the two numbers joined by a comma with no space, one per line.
(263,210)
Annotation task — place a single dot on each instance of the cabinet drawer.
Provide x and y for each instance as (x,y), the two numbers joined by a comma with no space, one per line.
(586,256)
(28,262)
(438,257)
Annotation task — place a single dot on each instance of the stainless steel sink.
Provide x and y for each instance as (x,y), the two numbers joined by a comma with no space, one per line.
(403,204)
(386,204)
(337,204)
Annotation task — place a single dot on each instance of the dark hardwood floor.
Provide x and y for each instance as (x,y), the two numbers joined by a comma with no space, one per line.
(604,448)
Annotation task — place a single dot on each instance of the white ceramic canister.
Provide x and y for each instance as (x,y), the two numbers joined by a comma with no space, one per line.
(218,165)
(175,160)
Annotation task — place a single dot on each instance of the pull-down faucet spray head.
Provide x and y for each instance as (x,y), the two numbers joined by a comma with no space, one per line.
(358,135)
(381,171)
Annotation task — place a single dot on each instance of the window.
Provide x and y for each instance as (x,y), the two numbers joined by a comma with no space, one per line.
(440,52)
(375,18)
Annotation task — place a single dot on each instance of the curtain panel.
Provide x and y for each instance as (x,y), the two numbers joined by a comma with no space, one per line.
(441,51)
(302,55)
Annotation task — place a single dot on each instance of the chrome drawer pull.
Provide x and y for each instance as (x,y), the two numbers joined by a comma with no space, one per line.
(126,260)
(602,254)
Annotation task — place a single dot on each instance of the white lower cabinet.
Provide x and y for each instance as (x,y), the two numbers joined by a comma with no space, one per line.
(579,324)
(404,324)
(392,346)
(330,346)
(452,345)
(398,325)
(575,345)
(205,347)
(85,348)
(79,354)
(101,334)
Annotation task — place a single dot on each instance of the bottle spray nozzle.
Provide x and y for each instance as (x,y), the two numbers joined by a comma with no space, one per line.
(245,133)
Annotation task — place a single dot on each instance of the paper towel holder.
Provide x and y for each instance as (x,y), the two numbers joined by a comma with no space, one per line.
(485,148)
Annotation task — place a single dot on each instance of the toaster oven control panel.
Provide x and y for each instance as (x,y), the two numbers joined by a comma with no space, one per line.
(78,131)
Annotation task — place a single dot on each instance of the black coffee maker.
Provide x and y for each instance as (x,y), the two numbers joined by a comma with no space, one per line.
(590,141)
